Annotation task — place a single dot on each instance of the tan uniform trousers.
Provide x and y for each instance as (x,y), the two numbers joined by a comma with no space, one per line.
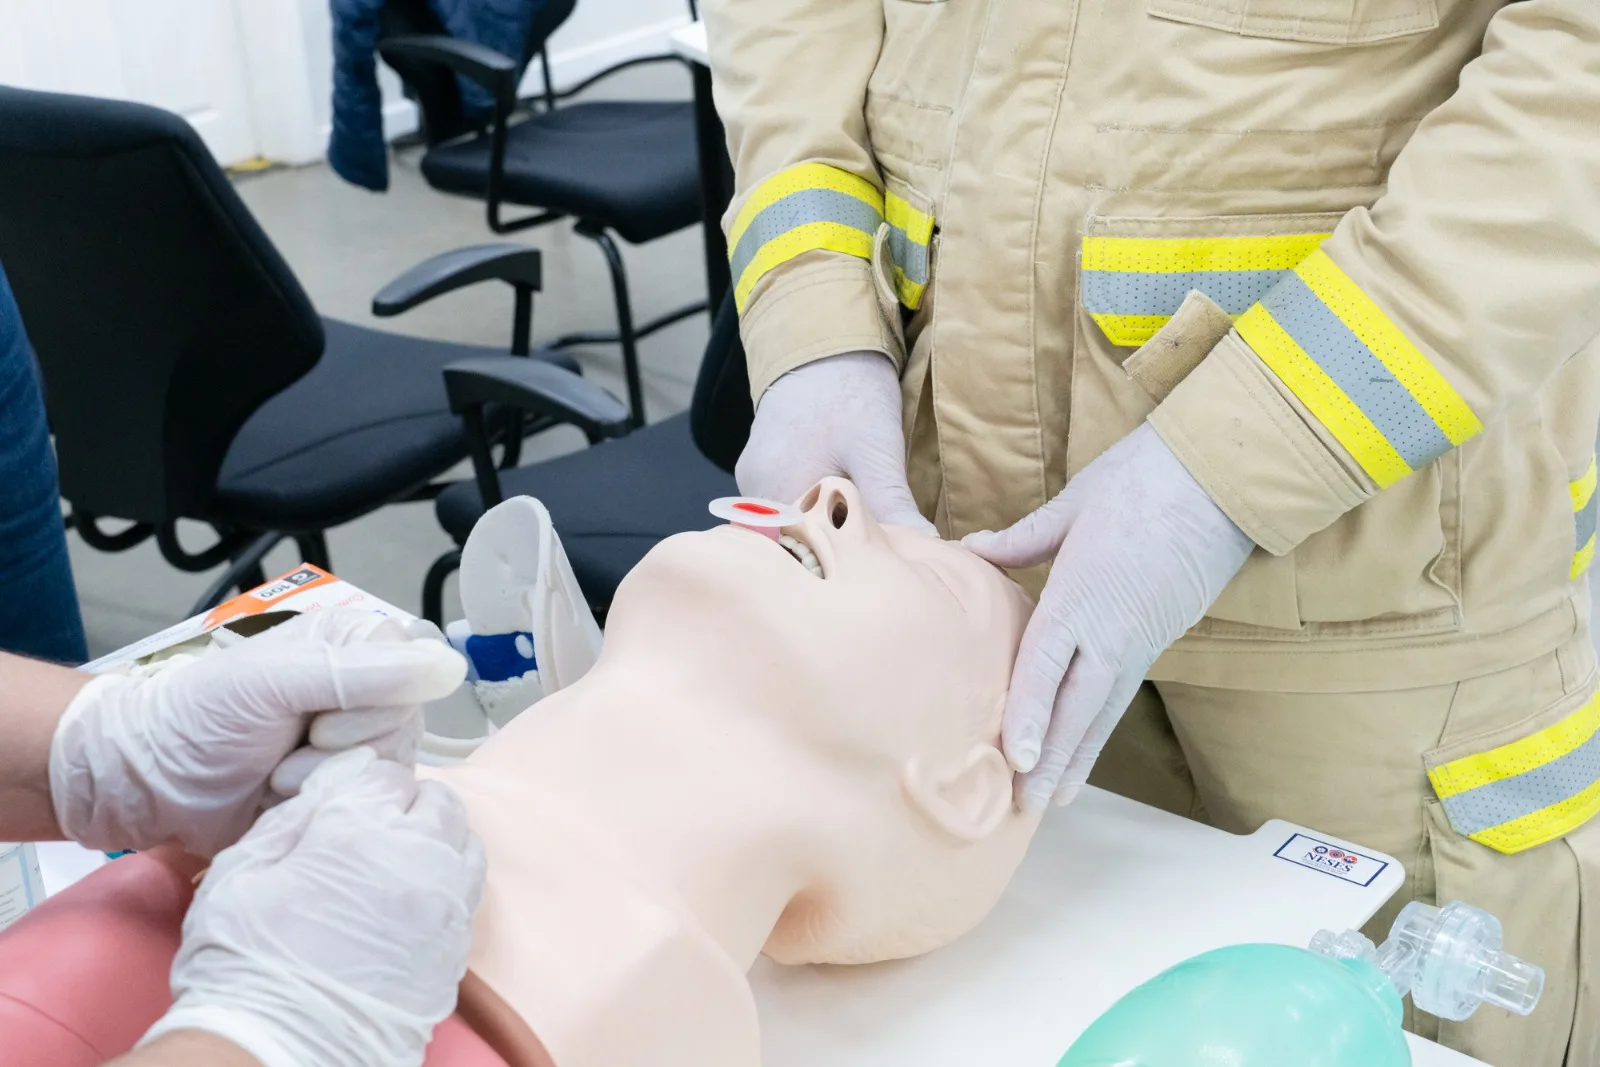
(1352,765)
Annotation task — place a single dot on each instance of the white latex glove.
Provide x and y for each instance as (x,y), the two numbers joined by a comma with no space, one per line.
(194,752)
(1140,552)
(335,932)
(836,416)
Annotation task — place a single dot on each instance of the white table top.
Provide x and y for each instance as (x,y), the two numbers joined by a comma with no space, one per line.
(690,43)
(1111,894)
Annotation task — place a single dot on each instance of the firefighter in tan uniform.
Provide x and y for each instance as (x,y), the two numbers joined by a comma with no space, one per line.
(1269,325)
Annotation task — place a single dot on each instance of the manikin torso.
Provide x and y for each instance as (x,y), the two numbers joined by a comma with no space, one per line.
(761,760)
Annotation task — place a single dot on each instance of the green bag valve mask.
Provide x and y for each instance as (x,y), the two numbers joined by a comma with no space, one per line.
(1336,1004)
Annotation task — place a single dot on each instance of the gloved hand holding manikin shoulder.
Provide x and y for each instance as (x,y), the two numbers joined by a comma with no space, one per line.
(761,760)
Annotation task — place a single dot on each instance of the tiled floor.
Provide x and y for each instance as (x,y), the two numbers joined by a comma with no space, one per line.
(344,244)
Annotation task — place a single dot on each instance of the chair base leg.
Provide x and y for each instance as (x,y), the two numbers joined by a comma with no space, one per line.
(626,336)
(314,550)
(243,573)
(433,586)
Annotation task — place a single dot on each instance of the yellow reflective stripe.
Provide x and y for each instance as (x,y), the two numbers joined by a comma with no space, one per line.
(1392,348)
(797,179)
(1165,255)
(1130,330)
(1553,742)
(1582,559)
(812,237)
(909,292)
(1544,825)
(901,215)
(1326,401)
(1583,489)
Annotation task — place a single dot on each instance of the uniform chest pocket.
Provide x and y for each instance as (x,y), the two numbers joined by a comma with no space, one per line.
(1313,21)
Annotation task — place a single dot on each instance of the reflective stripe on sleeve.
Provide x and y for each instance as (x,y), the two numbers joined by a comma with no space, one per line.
(807,208)
(1351,366)
(1133,285)
(1530,791)
(910,232)
(1584,507)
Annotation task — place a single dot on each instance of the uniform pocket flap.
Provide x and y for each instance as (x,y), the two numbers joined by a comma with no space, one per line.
(1525,784)
(1136,272)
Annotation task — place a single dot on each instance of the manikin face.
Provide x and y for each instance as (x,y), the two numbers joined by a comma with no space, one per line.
(872,694)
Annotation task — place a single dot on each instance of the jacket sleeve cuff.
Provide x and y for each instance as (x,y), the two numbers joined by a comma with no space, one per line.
(818,305)
(1255,451)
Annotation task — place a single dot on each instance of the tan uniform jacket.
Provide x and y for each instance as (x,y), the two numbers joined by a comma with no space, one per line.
(1397,202)
(1060,174)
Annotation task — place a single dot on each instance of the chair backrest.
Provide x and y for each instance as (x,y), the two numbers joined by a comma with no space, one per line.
(161,315)
(434,89)
(721,411)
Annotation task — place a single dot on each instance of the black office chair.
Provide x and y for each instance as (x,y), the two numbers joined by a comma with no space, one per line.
(623,167)
(186,373)
(613,502)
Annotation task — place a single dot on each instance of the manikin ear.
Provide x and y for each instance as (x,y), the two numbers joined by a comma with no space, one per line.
(968,800)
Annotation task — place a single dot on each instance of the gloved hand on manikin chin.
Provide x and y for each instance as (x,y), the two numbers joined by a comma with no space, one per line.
(337,930)
(836,416)
(194,750)
(1140,551)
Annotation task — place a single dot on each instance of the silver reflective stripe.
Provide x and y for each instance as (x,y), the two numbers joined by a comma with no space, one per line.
(1352,366)
(910,257)
(1584,520)
(1494,803)
(1116,292)
(799,209)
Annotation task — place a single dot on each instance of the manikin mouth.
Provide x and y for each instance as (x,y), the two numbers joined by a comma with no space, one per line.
(801,552)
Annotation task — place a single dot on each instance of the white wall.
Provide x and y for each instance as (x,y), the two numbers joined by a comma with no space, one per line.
(255,76)
(599,33)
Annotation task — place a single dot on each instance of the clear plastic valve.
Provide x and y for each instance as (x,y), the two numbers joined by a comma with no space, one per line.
(1448,959)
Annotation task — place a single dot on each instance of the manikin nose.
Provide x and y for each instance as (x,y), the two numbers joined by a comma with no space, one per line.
(834,500)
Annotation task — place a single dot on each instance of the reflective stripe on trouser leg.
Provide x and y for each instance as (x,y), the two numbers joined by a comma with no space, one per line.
(1584,505)
(1530,791)
(1133,285)
(1358,374)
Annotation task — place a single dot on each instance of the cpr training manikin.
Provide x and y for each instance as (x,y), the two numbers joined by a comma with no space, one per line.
(763,759)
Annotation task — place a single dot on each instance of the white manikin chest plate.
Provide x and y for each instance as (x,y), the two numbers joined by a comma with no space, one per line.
(1111,894)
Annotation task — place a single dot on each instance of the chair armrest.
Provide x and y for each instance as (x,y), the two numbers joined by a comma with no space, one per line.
(535,386)
(495,72)
(517,265)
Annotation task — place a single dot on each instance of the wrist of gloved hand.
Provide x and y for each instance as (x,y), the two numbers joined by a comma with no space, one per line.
(195,748)
(336,931)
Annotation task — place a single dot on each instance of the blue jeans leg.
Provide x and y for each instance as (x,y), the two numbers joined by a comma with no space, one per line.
(38,605)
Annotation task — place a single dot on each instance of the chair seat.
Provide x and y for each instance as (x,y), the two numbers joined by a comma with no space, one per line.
(367,424)
(610,503)
(630,166)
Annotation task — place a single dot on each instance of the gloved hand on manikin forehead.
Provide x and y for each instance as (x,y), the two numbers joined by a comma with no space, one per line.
(836,416)
(337,930)
(196,748)
(1140,552)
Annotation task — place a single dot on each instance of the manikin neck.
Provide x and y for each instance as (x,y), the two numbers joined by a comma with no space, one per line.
(686,797)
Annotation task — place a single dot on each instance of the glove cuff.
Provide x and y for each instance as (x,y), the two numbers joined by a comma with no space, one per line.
(80,762)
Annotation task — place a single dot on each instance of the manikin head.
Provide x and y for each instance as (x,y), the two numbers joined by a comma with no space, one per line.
(877,689)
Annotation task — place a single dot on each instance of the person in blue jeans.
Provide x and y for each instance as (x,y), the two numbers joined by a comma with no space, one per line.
(38,605)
